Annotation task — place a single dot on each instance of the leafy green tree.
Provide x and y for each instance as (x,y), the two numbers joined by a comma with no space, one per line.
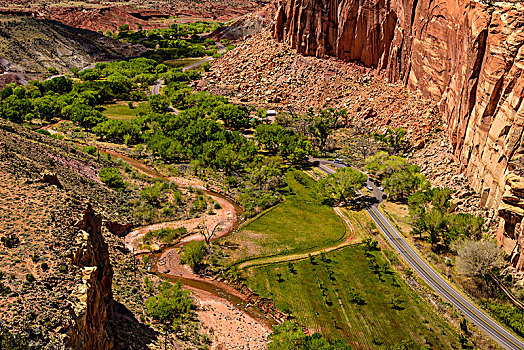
(399,177)
(193,254)
(111,178)
(478,258)
(234,117)
(440,198)
(159,103)
(278,140)
(84,114)
(6,92)
(401,184)
(467,226)
(417,205)
(171,305)
(434,224)
(321,126)
(288,336)
(60,85)
(117,130)
(429,214)
(19,92)
(392,139)
(396,302)
(341,186)
(15,110)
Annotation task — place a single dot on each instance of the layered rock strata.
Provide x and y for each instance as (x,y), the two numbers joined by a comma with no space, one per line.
(465,55)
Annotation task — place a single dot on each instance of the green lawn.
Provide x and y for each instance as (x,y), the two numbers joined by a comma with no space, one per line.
(182,62)
(367,326)
(300,224)
(122,111)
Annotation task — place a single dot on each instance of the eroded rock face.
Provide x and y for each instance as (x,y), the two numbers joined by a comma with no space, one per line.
(511,209)
(93,298)
(465,55)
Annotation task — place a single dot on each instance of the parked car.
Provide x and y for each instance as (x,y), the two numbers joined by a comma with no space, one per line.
(339,161)
(369,187)
(381,188)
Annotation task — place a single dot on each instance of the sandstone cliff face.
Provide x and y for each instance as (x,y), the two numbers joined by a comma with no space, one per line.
(465,55)
(93,304)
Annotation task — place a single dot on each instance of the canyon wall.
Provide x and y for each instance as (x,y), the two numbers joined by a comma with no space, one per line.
(465,55)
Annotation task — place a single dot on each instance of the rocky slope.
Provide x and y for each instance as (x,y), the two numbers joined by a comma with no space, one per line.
(266,74)
(28,47)
(465,55)
(59,263)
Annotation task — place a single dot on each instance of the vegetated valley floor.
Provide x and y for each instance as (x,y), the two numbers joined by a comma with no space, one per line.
(300,224)
(339,293)
(321,294)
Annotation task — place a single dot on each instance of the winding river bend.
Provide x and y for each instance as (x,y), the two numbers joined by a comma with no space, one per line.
(214,287)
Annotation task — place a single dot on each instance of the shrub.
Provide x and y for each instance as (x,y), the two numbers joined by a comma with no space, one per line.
(90,150)
(166,235)
(4,290)
(43,132)
(30,278)
(172,304)
(10,241)
(111,178)
(151,194)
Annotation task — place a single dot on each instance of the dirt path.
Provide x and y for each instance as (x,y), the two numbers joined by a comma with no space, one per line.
(349,240)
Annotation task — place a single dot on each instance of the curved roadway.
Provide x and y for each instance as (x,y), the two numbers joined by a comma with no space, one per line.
(472,312)
(155,89)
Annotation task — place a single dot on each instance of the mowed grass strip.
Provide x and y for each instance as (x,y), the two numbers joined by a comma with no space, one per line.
(309,291)
(182,62)
(300,224)
(121,111)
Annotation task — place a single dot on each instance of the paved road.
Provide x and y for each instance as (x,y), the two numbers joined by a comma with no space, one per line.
(473,313)
(155,89)
(81,70)
(221,50)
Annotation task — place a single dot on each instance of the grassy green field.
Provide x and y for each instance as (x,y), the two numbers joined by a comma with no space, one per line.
(122,111)
(300,224)
(182,62)
(320,296)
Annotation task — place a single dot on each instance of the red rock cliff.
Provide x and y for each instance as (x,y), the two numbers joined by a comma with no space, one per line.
(465,55)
